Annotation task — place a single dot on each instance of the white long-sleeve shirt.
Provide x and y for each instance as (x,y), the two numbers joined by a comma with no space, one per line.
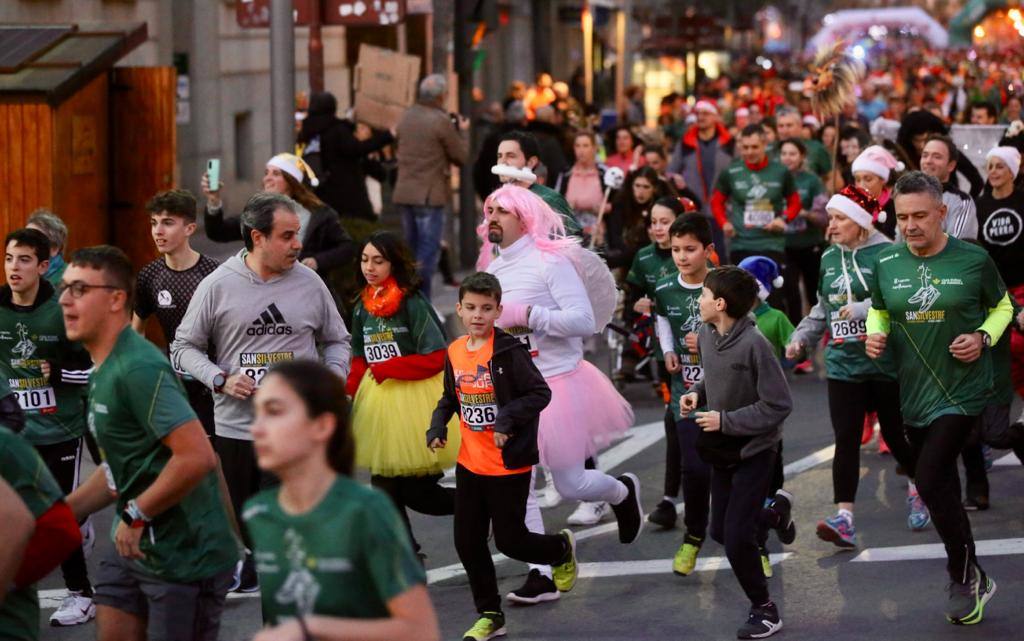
(561,316)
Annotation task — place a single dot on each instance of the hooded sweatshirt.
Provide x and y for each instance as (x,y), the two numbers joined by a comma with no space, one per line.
(253,324)
(744,382)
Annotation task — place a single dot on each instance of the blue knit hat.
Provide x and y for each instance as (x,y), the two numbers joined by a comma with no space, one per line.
(766,271)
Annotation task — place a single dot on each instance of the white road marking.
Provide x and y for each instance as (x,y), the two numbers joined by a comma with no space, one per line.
(50,599)
(1009,459)
(658,566)
(994,547)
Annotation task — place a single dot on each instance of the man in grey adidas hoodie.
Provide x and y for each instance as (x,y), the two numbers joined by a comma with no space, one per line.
(259,308)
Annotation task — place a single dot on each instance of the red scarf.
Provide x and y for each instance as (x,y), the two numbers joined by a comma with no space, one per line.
(383,302)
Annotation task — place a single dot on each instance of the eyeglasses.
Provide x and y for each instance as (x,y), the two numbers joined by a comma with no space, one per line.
(78,288)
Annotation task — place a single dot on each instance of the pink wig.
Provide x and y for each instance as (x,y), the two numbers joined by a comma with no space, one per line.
(542,223)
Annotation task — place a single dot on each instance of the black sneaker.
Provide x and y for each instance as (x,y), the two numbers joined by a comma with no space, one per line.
(762,622)
(629,513)
(537,589)
(248,582)
(976,503)
(783,506)
(664,514)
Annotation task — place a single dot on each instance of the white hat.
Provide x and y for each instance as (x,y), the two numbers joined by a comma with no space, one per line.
(877,160)
(809,119)
(846,202)
(706,105)
(1008,155)
(295,167)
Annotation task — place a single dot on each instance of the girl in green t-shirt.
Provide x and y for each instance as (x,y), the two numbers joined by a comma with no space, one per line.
(333,556)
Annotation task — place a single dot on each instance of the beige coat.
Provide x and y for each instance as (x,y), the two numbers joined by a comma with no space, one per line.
(428,144)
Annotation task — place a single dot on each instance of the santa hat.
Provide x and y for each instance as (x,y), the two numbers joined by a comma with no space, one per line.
(809,119)
(857,205)
(742,112)
(766,271)
(706,105)
(295,167)
(1008,155)
(877,160)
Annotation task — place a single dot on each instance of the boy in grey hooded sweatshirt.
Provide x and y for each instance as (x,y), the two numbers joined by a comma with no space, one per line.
(748,399)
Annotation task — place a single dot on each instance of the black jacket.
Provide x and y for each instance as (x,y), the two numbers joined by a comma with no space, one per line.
(326,241)
(520,392)
(343,185)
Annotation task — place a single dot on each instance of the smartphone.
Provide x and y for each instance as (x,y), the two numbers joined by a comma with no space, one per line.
(213,173)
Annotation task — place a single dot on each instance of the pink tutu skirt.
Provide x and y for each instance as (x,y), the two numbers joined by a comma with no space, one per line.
(585,415)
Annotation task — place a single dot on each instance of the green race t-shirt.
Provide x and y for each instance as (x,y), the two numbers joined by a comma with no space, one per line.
(347,557)
(818,161)
(135,400)
(23,469)
(650,265)
(800,233)
(930,302)
(53,411)
(413,329)
(845,359)
(680,304)
(775,326)
(756,199)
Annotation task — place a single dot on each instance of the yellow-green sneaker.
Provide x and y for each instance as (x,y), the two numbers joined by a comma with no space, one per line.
(564,574)
(766,563)
(686,556)
(488,626)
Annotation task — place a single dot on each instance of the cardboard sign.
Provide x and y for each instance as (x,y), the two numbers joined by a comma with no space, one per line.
(386,75)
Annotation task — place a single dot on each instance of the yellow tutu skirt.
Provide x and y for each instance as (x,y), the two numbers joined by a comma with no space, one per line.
(390,421)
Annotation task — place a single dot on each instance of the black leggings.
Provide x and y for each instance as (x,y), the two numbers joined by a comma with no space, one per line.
(499,500)
(673,471)
(802,265)
(420,493)
(696,479)
(938,482)
(847,404)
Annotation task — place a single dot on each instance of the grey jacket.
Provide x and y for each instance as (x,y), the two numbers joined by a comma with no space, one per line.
(252,324)
(744,381)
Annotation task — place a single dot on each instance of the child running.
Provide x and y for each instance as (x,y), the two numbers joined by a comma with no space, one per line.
(492,382)
(333,558)
(397,363)
(747,398)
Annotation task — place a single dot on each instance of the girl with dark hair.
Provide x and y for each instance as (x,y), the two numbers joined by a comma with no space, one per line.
(398,349)
(319,512)
(627,225)
(626,148)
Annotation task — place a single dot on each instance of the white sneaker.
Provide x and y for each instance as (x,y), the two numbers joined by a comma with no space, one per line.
(75,609)
(548,497)
(589,513)
(88,537)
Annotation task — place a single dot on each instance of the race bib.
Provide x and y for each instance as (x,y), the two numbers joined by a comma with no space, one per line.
(255,364)
(40,399)
(691,369)
(380,352)
(848,330)
(758,213)
(525,336)
(479,417)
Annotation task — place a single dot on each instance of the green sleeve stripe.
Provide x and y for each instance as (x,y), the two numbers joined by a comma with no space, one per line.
(998,319)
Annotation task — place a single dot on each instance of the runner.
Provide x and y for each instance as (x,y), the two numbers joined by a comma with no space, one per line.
(48,374)
(334,558)
(397,376)
(165,286)
(873,171)
(938,159)
(498,393)
(257,309)
(173,551)
(856,383)
(547,307)
(520,150)
(944,304)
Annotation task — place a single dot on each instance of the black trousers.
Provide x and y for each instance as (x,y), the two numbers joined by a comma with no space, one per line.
(802,266)
(938,482)
(481,501)
(737,498)
(420,493)
(243,476)
(696,479)
(64,460)
(201,400)
(673,471)
(847,404)
(776,299)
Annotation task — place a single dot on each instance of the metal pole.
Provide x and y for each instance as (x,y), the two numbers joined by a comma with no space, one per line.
(588,53)
(316,49)
(467,202)
(282,76)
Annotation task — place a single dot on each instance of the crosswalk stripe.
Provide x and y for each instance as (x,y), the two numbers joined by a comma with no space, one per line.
(603,569)
(1009,459)
(993,547)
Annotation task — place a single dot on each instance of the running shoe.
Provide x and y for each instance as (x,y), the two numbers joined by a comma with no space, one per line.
(248,580)
(839,530)
(966,604)
(763,622)
(236,578)
(629,513)
(782,505)
(686,556)
(75,609)
(565,573)
(548,497)
(587,513)
(766,562)
(537,589)
(976,503)
(918,517)
(869,429)
(803,367)
(489,626)
(883,447)
(664,514)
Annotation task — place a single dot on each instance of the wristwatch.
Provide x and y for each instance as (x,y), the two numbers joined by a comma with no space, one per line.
(986,340)
(133,516)
(219,381)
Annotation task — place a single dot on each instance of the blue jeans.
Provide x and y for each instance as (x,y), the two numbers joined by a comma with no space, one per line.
(423,227)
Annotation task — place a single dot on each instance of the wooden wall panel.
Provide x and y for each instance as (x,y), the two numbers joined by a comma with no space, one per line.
(26,162)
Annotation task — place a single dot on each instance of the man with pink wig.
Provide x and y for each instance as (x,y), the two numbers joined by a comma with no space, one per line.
(546,305)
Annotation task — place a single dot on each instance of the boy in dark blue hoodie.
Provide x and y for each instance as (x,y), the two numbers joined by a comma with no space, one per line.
(748,399)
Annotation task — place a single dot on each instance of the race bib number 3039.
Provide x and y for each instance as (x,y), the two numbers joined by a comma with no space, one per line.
(380,352)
